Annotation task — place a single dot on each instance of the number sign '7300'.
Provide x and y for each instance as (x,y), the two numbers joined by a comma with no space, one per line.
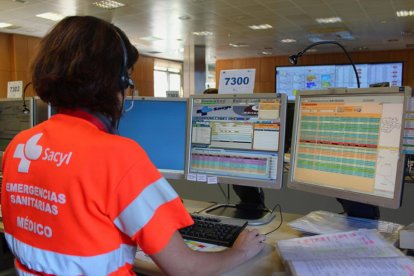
(237,81)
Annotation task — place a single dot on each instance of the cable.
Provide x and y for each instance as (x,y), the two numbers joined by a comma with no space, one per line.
(281,219)
(132,101)
(222,191)
(294,58)
(208,207)
(25,110)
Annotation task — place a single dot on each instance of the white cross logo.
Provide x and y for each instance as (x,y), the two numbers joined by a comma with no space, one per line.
(27,152)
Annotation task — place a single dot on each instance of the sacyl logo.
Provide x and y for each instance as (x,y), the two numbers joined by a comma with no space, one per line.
(31,151)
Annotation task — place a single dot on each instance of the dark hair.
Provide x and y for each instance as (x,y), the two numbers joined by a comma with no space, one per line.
(79,65)
(211,91)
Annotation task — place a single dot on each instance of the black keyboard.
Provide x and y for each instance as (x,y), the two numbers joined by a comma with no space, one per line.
(213,230)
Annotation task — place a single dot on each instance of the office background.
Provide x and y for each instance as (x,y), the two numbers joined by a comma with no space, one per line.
(17,50)
(371,23)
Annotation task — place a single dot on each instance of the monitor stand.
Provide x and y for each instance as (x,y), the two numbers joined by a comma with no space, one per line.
(359,210)
(251,207)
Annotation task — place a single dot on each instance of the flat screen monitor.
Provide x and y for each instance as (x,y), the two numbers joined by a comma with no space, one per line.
(13,119)
(290,79)
(158,125)
(41,111)
(236,139)
(347,144)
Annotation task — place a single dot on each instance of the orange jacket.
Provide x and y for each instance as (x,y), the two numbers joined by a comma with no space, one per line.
(77,200)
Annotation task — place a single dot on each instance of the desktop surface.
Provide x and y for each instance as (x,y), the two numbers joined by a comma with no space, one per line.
(266,262)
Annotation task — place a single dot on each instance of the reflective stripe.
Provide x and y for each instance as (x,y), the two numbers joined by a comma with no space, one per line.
(141,210)
(61,264)
(22,273)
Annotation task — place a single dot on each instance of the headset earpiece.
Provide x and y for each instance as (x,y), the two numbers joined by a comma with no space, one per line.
(124,80)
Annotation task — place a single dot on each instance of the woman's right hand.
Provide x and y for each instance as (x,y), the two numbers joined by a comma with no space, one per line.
(249,242)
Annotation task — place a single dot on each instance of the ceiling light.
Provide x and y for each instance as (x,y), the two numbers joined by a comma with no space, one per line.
(266,53)
(4,25)
(261,27)
(404,13)
(150,38)
(238,45)
(108,4)
(51,16)
(288,40)
(328,20)
(184,17)
(203,33)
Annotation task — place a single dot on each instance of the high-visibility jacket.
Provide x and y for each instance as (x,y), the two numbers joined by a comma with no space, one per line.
(77,200)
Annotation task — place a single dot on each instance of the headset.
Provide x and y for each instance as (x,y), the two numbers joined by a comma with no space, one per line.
(125,80)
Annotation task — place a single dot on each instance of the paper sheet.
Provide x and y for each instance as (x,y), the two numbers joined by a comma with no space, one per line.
(353,244)
(350,267)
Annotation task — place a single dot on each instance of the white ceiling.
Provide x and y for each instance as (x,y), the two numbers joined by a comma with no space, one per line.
(366,24)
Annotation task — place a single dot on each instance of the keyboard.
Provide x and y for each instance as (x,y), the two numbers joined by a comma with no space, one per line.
(213,230)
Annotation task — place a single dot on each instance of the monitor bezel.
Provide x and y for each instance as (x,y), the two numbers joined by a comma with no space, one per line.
(276,184)
(168,174)
(41,110)
(336,64)
(393,202)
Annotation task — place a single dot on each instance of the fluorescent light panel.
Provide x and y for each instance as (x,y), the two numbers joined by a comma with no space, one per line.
(51,16)
(328,20)
(261,27)
(150,38)
(266,53)
(288,40)
(108,4)
(405,13)
(203,33)
(238,45)
(4,25)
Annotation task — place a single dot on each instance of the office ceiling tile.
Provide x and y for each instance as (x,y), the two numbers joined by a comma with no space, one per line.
(371,23)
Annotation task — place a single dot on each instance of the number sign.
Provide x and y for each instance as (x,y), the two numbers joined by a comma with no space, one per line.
(237,81)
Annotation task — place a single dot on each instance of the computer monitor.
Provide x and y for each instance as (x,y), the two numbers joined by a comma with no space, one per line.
(347,143)
(159,126)
(290,79)
(41,110)
(13,119)
(236,139)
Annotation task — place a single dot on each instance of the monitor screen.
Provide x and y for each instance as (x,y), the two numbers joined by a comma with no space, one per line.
(290,79)
(159,126)
(347,144)
(13,119)
(236,139)
(41,111)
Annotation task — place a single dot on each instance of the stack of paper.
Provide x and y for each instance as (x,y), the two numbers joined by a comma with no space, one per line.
(347,253)
(322,222)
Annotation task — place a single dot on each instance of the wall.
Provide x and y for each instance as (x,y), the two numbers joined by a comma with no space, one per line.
(18,51)
(265,66)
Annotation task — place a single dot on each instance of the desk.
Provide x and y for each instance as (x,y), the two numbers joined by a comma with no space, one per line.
(265,263)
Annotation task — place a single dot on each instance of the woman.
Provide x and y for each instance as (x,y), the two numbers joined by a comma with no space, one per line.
(77,199)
